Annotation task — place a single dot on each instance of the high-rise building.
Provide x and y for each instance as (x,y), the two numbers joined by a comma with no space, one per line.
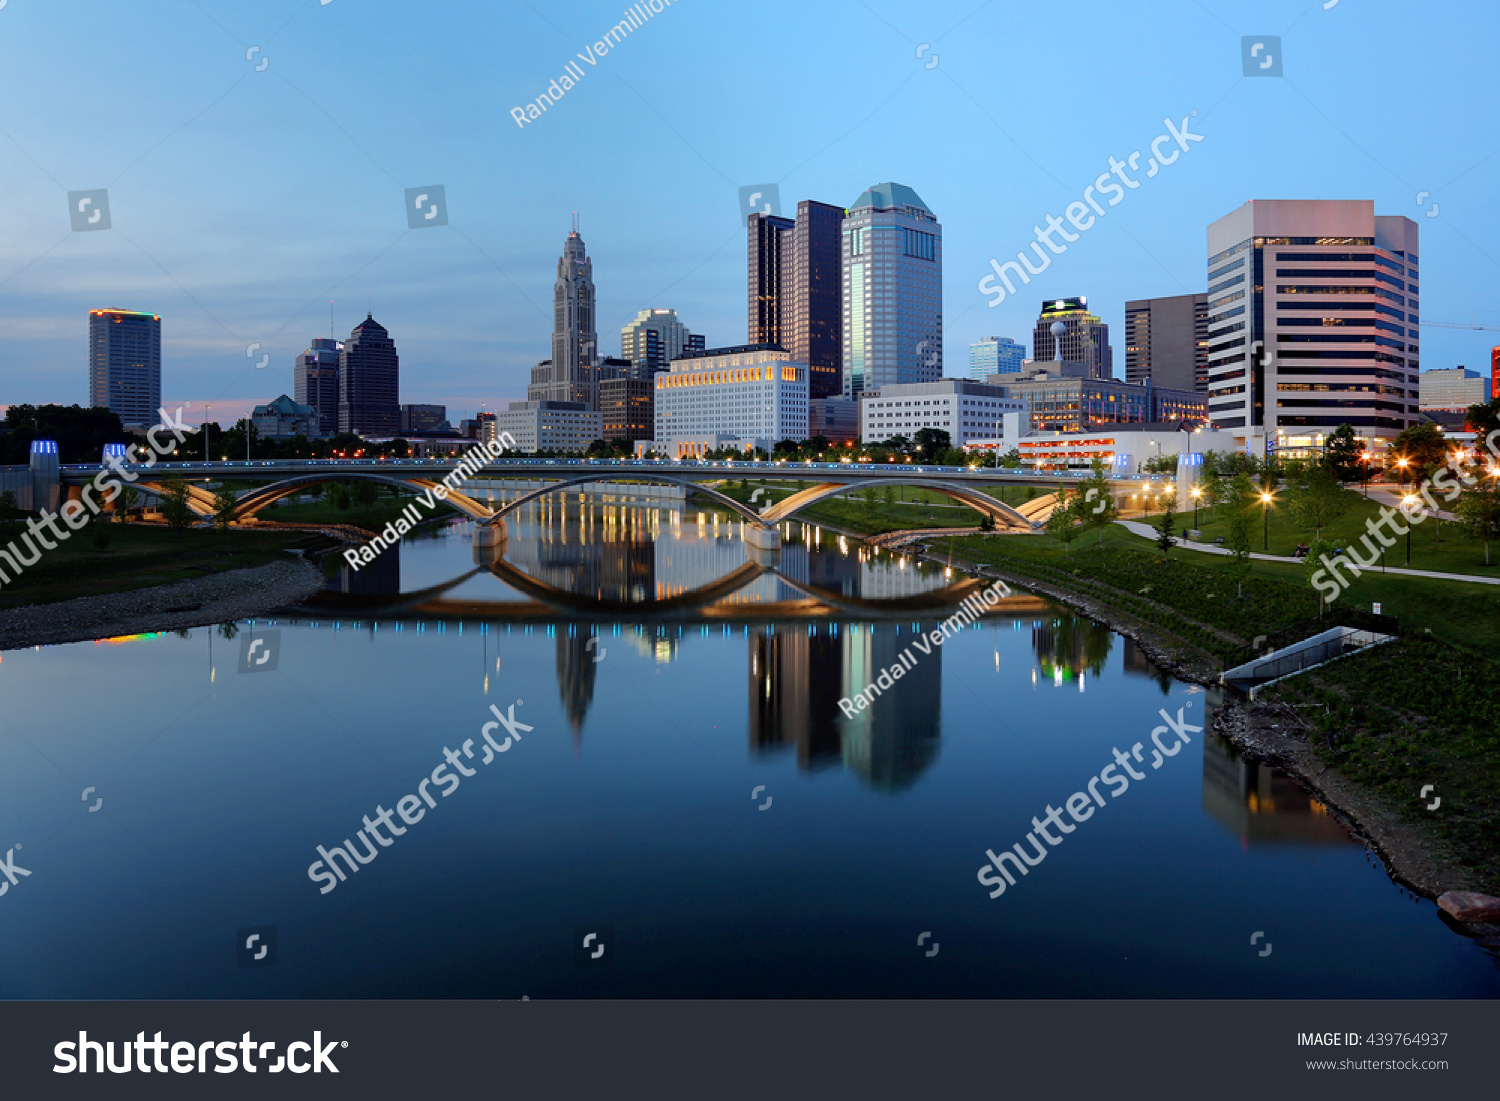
(569,375)
(369,378)
(892,290)
(1166,341)
(1495,372)
(316,379)
(125,364)
(995,355)
(1083,339)
(795,289)
(1453,389)
(1312,314)
(653,340)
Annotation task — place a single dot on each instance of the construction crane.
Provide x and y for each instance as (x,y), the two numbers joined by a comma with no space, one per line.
(1458,325)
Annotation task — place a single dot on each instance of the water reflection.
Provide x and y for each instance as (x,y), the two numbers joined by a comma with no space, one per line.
(1260,804)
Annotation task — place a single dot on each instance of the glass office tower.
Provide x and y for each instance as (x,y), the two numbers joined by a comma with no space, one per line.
(125,364)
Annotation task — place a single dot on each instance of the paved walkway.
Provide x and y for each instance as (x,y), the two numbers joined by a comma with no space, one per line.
(1150,532)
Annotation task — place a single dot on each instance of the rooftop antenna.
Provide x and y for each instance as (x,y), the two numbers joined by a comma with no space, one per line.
(575,221)
(332,328)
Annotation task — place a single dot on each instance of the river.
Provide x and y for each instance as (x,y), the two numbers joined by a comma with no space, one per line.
(682,807)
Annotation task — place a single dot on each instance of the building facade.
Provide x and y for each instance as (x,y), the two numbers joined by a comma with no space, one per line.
(1084,339)
(1124,450)
(1313,310)
(892,291)
(547,425)
(963,409)
(569,375)
(424,418)
(653,340)
(125,365)
(283,418)
(369,380)
(1063,397)
(1166,341)
(835,419)
(1453,389)
(627,408)
(995,355)
(316,380)
(796,289)
(754,391)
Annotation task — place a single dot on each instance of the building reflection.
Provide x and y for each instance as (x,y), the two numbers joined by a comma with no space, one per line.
(381,577)
(1260,804)
(798,676)
(1137,664)
(1069,646)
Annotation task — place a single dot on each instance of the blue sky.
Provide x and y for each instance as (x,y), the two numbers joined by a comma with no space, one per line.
(243,200)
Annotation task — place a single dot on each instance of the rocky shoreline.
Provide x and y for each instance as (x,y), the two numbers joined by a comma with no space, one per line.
(216,598)
(1271,733)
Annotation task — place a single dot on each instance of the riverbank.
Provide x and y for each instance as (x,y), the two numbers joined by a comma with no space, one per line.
(218,598)
(1369,773)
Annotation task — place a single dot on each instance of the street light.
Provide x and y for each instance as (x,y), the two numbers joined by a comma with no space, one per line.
(1197,493)
(206,408)
(1265,499)
(1409,499)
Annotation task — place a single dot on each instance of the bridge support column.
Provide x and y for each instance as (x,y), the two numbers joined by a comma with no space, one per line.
(490,535)
(763,545)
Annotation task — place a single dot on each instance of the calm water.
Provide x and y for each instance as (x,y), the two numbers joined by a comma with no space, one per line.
(631,809)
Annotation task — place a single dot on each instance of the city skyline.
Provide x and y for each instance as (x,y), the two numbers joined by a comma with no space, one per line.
(182,156)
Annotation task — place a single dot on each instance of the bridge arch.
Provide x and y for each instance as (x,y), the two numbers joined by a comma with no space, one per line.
(257,499)
(750,515)
(975,499)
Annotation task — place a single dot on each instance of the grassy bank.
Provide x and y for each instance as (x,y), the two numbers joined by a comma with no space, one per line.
(138,556)
(1408,714)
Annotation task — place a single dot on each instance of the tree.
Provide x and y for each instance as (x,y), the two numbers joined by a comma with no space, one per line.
(1161,464)
(1012,458)
(1485,418)
(1317,497)
(80,433)
(1342,454)
(101,534)
(1063,523)
(174,505)
(366,493)
(8,507)
(125,501)
(1416,453)
(1097,503)
(932,442)
(224,502)
(1238,496)
(1478,513)
(1166,541)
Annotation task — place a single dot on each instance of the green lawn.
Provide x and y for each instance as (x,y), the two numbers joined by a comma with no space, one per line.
(1435,544)
(138,556)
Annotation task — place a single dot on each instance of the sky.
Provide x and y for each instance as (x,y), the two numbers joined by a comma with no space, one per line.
(256,156)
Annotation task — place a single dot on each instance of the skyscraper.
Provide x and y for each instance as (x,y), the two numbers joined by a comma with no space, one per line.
(369,378)
(652,341)
(1085,339)
(795,289)
(316,378)
(569,374)
(892,290)
(125,364)
(1166,341)
(1312,314)
(995,355)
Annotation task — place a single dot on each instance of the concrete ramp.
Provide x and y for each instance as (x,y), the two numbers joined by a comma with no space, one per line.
(1326,646)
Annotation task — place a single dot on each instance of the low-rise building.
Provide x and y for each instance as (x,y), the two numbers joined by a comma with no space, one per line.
(548,425)
(1453,389)
(1061,397)
(753,391)
(965,410)
(1125,449)
(284,418)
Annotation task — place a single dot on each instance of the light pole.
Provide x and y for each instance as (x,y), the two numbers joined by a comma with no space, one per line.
(1197,493)
(206,408)
(1410,498)
(1265,499)
(1364,472)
